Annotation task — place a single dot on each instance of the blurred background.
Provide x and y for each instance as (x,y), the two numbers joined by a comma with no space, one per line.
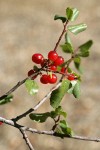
(27,27)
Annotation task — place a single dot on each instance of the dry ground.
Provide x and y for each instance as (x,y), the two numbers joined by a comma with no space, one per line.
(26,27)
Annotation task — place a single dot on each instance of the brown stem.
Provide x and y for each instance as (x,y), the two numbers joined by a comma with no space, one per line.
(13,89)
(37,105)
(20,83)
(64,30)
(36,73)
(25,137)
(52,133)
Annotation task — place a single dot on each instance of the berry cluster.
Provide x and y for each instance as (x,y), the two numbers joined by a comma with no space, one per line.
(50,65)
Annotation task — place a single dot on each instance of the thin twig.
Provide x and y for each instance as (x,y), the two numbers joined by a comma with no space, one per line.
(64,30)
(37,105)
(20,83)
(37,72)
(52,133)
(13,89)
(25,137)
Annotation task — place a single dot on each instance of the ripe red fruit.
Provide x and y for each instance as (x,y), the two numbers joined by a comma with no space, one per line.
(59,61)
(63,70)
(44,79)
(37,58)
(30,73)
(71,77)
(44,62)
(52,55)
(1,123)
(53,68)
(52,78)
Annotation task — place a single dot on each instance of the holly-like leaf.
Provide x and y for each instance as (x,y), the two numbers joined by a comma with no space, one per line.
(57,17)
(75,29)
(77,63)
(42,117)
(75,14)
(58,94)
(69,13)
(67,48)
(76,90)
(31,86)
(6,100)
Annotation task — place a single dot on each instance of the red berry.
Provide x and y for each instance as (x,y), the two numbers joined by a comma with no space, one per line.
(52,55)
(53,68)
(63,70)
(44,62)
(52,78)
(44,79)
(1,123)
(59,61)
(37,58)
(71,77)
(30,73)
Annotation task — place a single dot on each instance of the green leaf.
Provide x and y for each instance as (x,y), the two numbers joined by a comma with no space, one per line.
(71,87)
(76,90)
(75,29)
(6,100)
(75,14)
(59,111)
(69,13)
(67,48)
(69,70)
(58,94)
(84,54)
(35,68)
(63,124)
(59,68)
(59,132)
(72,13)
(42,117)
(86,46)
(65,129)
(31,86)
(77,63)
(67,39)
(63,19)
